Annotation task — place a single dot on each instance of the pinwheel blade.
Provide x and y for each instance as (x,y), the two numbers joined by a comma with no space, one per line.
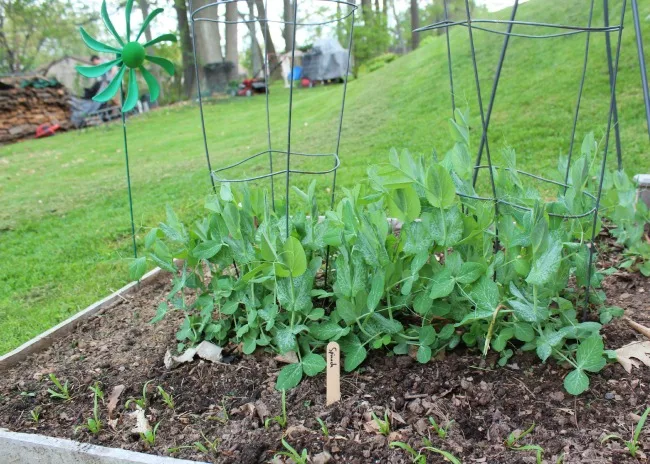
(162,38)
(129,7)
(163,63)
(133,94)
(110,91)
(154,88)
(146,22)
(109,24)
(96,71)
(96,45)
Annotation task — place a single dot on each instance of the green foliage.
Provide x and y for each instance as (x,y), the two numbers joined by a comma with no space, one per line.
(94,424)
(142,401)
(629,219)
(436,284)
(35,414)
(633,444)
(323,427)
(167,398)
(60,391)
(439,429)
(282,419)
(418,457)
(149,437)
(383,425)
(291,453)
(512,443)
(34,33)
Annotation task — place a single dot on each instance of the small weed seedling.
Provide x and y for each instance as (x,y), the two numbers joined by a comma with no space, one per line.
(419,458)
(428,446)
(142,402)
(94,424)
(512,443)
(280,420)
(416,457)
(323,427)
(441,431)
(207,447)
(149,437)
(302,458)
(382,425)
(633,444)
(167,398)
(60,391)
(36,414)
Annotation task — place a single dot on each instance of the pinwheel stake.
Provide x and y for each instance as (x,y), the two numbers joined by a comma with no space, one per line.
(130,55)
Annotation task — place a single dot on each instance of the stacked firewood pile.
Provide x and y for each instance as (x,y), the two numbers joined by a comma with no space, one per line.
(26,103)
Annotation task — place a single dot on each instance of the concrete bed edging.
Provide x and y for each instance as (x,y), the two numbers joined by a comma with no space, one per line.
(27,448)
(23,448)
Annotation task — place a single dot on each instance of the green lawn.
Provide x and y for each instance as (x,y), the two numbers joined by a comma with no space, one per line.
(64,225)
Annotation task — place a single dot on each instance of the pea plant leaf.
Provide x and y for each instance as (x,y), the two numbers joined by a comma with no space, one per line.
(313,364)
(293,257)
(289,377)
(440,188)
(442,284)
(546,265)
(137,268)
(576,382)
(589,356)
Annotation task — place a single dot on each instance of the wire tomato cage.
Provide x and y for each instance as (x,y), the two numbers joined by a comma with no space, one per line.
(344,19)
(534,30)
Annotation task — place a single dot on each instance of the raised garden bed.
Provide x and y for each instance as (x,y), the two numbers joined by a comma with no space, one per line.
(229,402)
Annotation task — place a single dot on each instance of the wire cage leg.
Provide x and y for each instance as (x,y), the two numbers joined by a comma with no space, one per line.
(199,96)
(612,106)
(449,63)
(495,86)
(267,80)
(608,46)
(482,112)
(642,65)
(580,92)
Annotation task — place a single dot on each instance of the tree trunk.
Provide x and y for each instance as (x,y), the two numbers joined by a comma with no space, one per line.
(287,32)
(256,52)
(398,28)
(274,68)
(232,48)
(144,7)
(208,36)
(415,23)
(366,9)
(186,47)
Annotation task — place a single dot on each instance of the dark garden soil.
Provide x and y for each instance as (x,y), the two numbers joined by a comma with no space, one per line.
(229,401)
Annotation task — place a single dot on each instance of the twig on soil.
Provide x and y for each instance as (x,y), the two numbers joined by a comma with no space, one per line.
(638,327)
(413,396)
(575,412)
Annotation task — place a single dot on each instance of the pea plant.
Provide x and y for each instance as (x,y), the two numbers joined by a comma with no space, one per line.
(411,260)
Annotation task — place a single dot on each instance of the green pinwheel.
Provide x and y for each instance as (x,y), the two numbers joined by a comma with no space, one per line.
(131,56)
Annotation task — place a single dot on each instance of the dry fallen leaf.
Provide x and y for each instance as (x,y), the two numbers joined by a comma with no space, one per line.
(206,350)
(633,355)
(113,399)
(295,429)
(141,422)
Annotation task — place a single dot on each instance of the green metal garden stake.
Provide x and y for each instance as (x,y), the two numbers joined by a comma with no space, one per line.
(130,55)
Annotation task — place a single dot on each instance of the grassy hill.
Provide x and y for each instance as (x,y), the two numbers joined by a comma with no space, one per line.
(64,225)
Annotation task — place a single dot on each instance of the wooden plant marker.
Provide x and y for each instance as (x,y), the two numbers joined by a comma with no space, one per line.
(333,356)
